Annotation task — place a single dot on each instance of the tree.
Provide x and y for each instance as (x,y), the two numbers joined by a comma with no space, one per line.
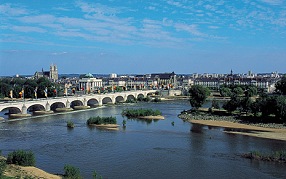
(5,89)
(198,95)
(232,104)
(281,108)
(246,104)
(215,104)
(268,105)
(281,86)
(237,91)
(225,91)
(250,91)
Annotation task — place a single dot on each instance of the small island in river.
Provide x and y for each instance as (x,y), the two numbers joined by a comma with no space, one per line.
(103,122)
(148,114)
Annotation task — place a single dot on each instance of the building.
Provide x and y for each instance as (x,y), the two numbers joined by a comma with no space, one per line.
(165,80)
(89,84)
(268,84)
(52,74)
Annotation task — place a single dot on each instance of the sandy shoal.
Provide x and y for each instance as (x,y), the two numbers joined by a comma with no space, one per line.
(262,132)
(107,125)
(151,117)
(15,170)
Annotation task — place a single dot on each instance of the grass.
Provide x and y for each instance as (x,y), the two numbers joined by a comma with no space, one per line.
(101,120)
(140,112)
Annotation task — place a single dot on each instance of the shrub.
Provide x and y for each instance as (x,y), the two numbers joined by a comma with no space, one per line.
(71,172)
(70,124)
(101,120)
(274,156)
(21,157)
(156,100)
(124,123)
(2,167)
(140,112)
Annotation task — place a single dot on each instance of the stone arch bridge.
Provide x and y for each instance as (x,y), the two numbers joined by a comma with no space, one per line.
(22,107)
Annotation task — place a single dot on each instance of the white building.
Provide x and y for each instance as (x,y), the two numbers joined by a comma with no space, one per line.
(89,83)
(113,75)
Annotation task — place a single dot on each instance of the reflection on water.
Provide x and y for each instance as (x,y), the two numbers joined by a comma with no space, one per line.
(197,128)
(144,149)
(143,121)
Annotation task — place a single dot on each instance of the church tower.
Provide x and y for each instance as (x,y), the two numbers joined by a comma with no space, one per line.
(54,73)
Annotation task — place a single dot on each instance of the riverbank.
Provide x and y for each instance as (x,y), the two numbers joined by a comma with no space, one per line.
(232,126)
(244,129)
(28,172)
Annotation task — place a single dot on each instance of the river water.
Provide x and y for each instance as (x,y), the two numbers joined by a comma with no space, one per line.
(156,149)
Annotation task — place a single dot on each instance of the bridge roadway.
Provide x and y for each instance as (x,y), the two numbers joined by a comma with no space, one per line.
(23,106)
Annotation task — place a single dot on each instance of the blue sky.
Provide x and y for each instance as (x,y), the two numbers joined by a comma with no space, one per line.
(142,36)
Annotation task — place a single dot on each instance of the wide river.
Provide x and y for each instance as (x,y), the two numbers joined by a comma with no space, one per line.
(155,149)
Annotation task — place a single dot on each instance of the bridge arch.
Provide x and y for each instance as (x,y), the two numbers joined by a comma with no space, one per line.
(106,100)
(119,99)
(36,107)
(140,96)
(56,105)
(76,103)
(131,97)
(11,110)
(92,102)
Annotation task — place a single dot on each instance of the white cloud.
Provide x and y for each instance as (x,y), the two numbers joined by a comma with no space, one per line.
(28,29)
(97,8)
(59,53)
(273,2)
(8,10)
(39,19)
(192,29)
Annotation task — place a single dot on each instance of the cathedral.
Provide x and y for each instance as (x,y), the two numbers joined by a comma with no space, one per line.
(52,74)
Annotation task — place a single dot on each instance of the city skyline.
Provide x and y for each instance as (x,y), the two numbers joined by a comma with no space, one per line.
(140,37)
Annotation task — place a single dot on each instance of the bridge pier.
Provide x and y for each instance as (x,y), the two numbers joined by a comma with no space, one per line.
(100,101)
(84,102)
(113,100)
(68,104)
(48,106)
(24,109)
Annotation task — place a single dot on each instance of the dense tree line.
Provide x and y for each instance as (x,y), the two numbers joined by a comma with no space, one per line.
(264,105)
(239,90)
(247,100)
(29,87)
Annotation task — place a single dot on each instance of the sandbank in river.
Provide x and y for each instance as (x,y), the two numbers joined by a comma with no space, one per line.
(249,130)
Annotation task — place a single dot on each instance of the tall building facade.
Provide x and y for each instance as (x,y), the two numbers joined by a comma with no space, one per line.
(54,72)
(51,75)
